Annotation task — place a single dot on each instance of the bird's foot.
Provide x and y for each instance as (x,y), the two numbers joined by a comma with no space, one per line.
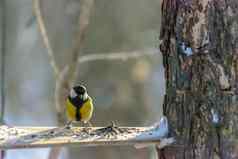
(68,125)
(87,129)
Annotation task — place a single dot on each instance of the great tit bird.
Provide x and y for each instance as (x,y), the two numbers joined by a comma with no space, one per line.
(79,105)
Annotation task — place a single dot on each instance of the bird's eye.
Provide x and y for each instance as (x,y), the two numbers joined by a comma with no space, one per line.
(73,93)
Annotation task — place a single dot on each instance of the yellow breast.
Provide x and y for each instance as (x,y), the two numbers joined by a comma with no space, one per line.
(70,110)
(86,110)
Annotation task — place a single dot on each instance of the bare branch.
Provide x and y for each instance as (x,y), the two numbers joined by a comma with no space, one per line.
(86,7)
(43,31)
(29,137)
(118,56)
(61,90)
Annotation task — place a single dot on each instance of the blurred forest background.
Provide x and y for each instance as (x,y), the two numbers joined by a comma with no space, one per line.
(129,92)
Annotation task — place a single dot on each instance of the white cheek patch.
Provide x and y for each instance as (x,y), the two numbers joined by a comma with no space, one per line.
(85,96)
(73,93)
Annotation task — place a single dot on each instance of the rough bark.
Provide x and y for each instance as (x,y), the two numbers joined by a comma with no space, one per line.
(199,43)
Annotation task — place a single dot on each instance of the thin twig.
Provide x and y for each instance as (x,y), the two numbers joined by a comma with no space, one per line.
(61,90)
(118,55)
(54,153)
(86,7)
(43,31)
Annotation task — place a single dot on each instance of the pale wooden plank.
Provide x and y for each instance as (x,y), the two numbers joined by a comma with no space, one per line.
(30,137)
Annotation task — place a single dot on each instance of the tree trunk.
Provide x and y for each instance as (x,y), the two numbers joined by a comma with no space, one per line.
(199,43)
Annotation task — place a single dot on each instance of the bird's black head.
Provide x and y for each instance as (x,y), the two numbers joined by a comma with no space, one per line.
(78,92)
(80,89)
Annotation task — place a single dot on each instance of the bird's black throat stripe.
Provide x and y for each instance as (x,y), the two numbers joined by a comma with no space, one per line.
(78,115)
(78,103)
